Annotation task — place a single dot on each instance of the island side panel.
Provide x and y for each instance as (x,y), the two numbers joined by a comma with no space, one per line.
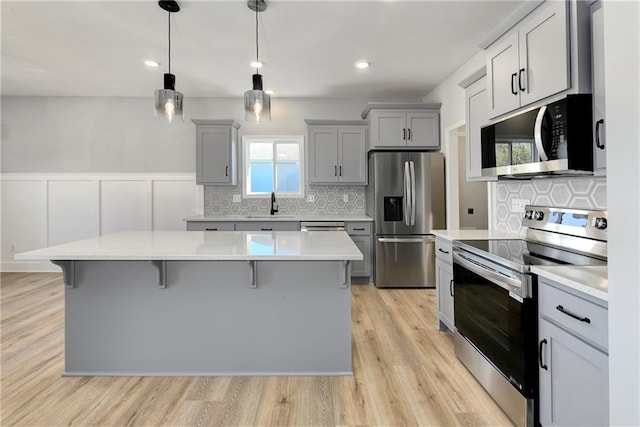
(208,321)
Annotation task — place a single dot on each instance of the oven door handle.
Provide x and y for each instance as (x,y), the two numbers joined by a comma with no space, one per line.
(505,282)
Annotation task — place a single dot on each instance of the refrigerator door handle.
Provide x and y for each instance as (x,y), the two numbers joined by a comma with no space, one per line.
(413,192)
(407,194)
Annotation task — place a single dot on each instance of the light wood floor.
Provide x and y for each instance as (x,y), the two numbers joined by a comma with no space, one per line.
(405,373)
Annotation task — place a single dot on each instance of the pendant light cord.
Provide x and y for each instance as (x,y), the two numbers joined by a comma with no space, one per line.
(169,20)
(257,49)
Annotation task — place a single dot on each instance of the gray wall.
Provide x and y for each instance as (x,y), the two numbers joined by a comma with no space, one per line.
(121,135)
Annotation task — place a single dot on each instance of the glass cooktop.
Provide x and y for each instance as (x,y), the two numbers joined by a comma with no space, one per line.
(524,253)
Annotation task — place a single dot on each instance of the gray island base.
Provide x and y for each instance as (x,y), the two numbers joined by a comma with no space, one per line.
(180,317)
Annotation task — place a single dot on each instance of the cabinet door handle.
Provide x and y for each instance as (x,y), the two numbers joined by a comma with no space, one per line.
(570,314)
(340,170)
(266,229)
(443,251)
(409,134)
(226,170)
(513,81)
(404,134)
(335,170)
(598,143)
(358,229)
(542,365)
(451,291)
(210,229)
(520,79)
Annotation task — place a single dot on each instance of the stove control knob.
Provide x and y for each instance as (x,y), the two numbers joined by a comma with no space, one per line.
(600,223)
(528,214)
(538,215)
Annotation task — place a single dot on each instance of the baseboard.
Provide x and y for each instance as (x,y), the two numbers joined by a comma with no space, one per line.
(28,267)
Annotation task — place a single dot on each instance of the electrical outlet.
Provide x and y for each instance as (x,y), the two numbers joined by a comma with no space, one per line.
(345,198)
(236,198)
(517,205)
(311,198)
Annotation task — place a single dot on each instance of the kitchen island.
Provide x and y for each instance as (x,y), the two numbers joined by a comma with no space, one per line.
(202,303)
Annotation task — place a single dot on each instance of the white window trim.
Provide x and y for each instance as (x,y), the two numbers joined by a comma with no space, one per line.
(246,139)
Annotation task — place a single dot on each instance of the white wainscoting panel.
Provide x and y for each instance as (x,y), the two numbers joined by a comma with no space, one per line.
(124,206)
(40,210)
(174,200)
(73,210)
(24,219)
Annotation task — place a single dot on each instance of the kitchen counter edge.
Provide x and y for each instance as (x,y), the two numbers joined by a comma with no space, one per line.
(589,280)
(278,218)
(451,235)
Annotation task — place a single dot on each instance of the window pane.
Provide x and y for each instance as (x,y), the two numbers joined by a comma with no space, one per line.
(261,151)
(261,176)
(502,154)
(288,151)
(521,153)
(288,177)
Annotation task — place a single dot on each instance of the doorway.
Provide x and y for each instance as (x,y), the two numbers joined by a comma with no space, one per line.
(468,204)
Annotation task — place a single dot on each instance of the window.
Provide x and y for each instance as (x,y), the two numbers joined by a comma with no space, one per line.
(272,164)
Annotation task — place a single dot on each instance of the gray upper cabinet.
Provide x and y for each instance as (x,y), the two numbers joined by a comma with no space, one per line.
(599,113)
(546,54)
(403,126)
(476,117)
(216,152)
(336,152)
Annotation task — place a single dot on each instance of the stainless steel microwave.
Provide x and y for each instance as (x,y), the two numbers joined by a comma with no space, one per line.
(555,139)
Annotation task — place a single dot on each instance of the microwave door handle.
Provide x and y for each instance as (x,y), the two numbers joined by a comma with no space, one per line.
(412,172)
(537,134)
(406,192)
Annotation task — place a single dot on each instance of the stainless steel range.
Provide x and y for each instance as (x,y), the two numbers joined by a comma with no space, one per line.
(496,305)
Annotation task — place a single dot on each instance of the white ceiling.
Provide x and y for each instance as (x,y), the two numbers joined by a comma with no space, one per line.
(97,48)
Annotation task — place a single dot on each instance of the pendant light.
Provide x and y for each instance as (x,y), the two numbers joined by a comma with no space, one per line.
(257,104)
(168,101)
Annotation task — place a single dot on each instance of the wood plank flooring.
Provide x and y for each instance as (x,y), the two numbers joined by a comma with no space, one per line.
(405,373)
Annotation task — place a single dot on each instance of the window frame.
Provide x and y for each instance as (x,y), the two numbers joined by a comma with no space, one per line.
(274,140)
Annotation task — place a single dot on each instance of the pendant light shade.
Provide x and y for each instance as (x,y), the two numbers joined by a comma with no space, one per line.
(257,104)
(168,101)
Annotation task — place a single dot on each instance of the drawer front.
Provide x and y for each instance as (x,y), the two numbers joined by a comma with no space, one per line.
(210,226)
(443,250)
(268,226)
(358,228)
(579,316)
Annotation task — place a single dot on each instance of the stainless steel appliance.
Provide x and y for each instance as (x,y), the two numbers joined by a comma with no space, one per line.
(405,197)
(495,300)
(555,139)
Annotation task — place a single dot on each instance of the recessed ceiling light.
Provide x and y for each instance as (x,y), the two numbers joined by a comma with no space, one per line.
(269,92)
(256,64)
(362,64)
(150,63)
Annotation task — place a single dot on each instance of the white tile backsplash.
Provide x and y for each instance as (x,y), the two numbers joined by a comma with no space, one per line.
(587,193)
(329,200)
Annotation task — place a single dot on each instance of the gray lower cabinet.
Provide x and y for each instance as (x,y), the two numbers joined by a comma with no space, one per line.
(210,226)
(360,233)
(268,226)
(444,284)
(573,359)
(216,152)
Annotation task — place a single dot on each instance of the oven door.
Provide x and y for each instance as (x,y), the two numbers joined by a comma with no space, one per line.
(498,322)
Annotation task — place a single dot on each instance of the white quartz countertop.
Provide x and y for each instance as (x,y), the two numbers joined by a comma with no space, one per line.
(451,235)
(278,217)
(206,246)
(592,280)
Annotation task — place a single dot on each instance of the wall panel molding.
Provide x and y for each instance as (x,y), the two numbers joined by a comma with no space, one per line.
(40,210)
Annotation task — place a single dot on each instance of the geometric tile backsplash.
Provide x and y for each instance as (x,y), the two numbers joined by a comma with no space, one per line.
(329,200)
(590,193)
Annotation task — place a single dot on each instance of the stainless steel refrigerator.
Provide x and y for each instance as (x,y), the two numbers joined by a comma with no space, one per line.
(405,197)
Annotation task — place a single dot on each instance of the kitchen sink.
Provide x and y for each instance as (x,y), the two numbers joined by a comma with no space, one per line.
(269,216)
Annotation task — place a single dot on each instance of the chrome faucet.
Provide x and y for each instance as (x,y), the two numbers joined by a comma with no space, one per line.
(274,206)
